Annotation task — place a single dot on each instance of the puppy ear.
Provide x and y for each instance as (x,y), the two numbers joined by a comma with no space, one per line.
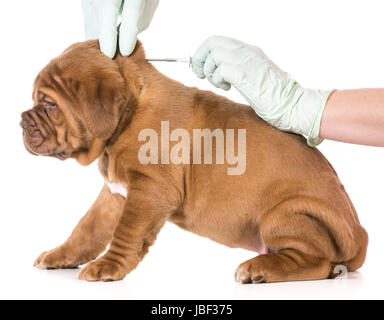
(102,106)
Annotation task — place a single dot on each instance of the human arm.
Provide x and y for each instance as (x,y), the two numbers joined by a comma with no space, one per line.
(354,116)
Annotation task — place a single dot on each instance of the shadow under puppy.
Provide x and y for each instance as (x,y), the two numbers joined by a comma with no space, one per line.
(288,205)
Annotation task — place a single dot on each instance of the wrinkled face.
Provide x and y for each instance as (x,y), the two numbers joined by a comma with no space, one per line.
(78,100)
(45,130)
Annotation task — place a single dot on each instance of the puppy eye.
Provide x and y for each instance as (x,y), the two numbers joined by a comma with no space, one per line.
(50,104)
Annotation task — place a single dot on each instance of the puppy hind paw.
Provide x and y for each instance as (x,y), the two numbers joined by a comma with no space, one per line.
(244,277)
(251,272)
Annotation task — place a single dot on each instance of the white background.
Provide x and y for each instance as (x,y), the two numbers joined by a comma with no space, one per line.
(324,44)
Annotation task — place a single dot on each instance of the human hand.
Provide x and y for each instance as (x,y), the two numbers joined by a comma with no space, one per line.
(274,94)
(101,19)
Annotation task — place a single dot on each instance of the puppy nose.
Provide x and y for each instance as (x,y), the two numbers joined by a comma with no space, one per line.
(23,124)
(26,120)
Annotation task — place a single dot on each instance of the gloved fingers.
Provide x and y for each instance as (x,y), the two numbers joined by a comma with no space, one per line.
(220,70)
(129,28)
(209,67)
(149,12)
(202,53)
(110,11)
(220,77)
(219,56)
(228,75)
(91,19)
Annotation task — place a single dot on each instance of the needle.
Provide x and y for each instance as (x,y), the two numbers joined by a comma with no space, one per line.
(180,60)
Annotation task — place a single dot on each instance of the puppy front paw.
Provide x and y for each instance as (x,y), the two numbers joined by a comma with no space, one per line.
(102,269)
(55,259)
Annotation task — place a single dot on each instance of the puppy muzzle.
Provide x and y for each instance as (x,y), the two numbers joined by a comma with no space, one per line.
(32,135)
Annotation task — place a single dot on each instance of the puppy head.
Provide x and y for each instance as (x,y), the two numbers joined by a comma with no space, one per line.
(79,98)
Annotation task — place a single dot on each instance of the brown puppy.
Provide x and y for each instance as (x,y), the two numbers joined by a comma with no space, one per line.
(288,204)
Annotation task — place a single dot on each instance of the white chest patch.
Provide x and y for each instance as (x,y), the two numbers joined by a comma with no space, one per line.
(117,188)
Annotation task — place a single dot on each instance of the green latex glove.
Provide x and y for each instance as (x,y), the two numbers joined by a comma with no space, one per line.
(274,94)
(101,19)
